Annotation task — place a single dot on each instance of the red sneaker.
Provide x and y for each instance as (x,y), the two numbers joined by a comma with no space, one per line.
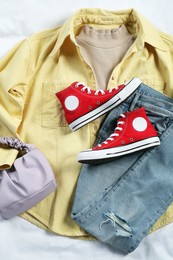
(83,105)
(134,132)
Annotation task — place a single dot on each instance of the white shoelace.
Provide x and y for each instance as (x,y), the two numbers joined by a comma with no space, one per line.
(115,134)
(97,92)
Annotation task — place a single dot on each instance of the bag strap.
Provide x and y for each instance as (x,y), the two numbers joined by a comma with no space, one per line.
(16,144)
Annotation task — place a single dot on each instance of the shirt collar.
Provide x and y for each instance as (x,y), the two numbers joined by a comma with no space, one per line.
(135,22)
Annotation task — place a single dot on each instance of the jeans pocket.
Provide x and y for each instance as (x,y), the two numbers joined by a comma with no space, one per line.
(159,117)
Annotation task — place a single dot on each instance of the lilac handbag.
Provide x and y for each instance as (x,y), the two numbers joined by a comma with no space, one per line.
(28,181)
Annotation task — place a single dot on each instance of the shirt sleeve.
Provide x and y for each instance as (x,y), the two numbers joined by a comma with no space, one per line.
(14,74)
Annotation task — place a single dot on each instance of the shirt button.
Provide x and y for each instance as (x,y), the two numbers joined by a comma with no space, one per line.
(113,77)
(95,127)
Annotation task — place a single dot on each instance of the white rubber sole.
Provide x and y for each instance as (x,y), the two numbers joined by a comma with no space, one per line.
(95,156)
(130,87)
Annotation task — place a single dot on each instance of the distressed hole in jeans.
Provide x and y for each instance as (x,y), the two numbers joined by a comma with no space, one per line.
(120,225)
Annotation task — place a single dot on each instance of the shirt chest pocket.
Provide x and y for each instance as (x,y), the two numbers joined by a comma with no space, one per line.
(157,84)
(52,114)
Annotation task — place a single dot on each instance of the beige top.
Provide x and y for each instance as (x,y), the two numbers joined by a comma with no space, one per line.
(103,49)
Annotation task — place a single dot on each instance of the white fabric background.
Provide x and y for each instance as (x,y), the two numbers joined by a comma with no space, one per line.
(19,239)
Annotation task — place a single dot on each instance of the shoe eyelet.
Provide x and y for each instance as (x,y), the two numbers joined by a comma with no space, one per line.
(123,142)
(98,102)
(76,86)
(131,139)
(90,107)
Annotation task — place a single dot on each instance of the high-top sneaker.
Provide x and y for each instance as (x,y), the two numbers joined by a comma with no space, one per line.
(83,105)
(134,132)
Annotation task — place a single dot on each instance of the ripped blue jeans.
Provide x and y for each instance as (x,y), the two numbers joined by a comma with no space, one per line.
(119,201)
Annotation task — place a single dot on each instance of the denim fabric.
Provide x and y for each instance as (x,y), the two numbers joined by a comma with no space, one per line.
(119,201)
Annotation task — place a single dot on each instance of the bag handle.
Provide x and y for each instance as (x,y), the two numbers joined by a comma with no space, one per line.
(16,144)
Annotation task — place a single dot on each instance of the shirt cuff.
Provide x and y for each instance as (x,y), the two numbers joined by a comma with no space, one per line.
(7,157)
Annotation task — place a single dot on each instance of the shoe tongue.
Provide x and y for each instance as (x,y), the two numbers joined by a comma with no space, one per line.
(121,118)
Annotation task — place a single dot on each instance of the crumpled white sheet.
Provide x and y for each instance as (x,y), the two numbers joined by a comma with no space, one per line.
(19,239)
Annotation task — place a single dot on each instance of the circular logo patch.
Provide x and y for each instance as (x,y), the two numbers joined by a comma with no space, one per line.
(71,103)
(139,124)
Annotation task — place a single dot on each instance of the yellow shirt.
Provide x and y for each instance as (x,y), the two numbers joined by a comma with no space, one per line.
(33,71)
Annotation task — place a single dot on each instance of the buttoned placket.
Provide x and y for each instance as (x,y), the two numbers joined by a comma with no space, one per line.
(116,73)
